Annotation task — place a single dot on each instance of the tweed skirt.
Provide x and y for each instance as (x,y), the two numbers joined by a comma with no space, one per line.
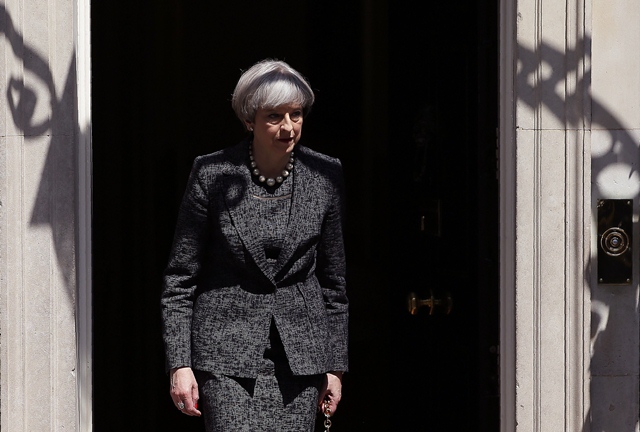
(274,401)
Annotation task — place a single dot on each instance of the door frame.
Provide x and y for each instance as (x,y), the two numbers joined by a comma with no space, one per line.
(507,187)
(507,183)
(526,296)
(84,321)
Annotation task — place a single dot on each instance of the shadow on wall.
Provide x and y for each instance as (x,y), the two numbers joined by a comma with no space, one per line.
(54,209)
(621,151)
(530,64)
(54,205)
(40,114)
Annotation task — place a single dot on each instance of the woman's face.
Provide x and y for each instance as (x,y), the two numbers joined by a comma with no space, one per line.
(277,129)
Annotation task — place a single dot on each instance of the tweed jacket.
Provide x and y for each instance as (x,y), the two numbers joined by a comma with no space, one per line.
(220,295)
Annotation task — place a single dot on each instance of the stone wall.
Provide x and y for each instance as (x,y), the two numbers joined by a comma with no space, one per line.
(615,157)
(38,184)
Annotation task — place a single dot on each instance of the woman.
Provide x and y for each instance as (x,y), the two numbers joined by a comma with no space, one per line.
(254,305)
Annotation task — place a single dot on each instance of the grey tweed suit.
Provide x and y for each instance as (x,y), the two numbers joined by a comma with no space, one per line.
(220,295)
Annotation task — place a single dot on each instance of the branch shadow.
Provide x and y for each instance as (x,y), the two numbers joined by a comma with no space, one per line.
(53,208)
(622,151)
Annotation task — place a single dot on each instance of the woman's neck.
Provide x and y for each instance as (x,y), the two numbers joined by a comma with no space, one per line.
(270,164)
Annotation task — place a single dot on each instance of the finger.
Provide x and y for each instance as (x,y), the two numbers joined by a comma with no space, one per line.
(333,403)
(191,408)
(180,405)
(321,398)
(192,402)
(326,405)
(195,395)
(179,400)
(334,406)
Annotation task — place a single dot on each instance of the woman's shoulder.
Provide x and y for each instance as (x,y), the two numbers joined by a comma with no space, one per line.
(217,160)
(315,158)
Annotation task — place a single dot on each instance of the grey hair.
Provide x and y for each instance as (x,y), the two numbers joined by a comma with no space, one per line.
(269,84)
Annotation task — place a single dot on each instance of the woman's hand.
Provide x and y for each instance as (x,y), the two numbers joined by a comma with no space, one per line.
(331,390)
(184,390)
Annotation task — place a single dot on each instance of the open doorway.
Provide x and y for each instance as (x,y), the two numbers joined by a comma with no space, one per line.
(406,98)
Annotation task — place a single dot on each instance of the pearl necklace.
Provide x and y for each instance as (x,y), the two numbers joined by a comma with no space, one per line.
(270,181)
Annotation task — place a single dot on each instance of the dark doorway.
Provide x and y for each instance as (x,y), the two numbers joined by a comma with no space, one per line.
(406,97)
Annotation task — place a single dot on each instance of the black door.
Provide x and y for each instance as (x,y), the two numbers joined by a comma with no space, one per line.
(406,97)
(444,218)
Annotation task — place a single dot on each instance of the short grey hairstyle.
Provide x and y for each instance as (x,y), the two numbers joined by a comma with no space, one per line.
(269,84)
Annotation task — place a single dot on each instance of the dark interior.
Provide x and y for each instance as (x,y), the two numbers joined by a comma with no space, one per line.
(406,98)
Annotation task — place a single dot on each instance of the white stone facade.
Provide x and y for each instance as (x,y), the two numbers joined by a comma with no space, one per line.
(41,214)
(615,135)
(569,134)
(545,164)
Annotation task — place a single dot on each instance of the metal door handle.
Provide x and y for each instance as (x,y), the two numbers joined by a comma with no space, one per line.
(414,303)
